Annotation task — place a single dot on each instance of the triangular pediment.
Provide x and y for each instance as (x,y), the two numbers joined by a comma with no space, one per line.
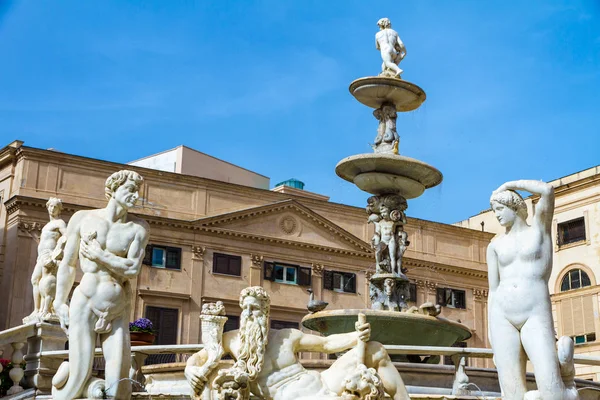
(289,221)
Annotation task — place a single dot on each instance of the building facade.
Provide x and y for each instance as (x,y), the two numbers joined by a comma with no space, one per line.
(574,282)
(210,238)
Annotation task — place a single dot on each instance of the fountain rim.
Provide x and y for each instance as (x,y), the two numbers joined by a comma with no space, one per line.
(390,314)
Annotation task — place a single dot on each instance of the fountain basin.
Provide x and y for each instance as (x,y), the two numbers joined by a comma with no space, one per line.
(391,327)
(374,91)
(380,173)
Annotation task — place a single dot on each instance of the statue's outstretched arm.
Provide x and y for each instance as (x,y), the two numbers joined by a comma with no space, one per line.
(333,343)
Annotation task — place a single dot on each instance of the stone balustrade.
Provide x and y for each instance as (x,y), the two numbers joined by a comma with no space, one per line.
(16,338)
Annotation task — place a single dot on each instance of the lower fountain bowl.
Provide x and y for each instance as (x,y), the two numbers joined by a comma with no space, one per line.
(391,327)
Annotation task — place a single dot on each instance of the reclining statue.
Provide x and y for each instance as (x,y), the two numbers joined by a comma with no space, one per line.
(267,364)
(109,244)
(520,311)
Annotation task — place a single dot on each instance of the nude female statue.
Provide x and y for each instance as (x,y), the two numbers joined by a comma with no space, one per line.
(520,314)
(109,244)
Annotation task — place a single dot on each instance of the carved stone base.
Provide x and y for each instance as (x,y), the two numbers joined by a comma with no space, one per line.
(39,372)
(389,292)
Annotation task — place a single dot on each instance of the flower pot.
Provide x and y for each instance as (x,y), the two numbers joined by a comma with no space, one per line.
(141,338)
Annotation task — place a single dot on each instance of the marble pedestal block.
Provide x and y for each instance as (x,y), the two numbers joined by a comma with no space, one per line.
(38,371)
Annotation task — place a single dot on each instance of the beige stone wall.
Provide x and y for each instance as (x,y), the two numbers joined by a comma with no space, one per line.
(203,216)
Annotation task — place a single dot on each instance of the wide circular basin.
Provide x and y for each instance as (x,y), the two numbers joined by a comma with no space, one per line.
(391,327)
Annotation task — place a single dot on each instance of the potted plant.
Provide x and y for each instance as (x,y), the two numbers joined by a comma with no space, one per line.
(142,332)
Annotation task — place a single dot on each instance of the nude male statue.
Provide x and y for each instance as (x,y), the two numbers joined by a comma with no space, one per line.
(270,357)
(388,232)
(43,279)
(109,244)
(392,49)
(520,314)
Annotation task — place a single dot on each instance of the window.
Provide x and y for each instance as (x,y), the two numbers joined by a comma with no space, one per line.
(163,257)
(165,321)
(227,265)
(283,324)
(412,292)
(571,231)
(574,279)
(455,298)
(287,273)
(587,338)
(344,282)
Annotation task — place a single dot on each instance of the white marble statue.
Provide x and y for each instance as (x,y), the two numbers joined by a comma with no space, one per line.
(389,240)
(109,244)
(50,252)
(267,365)
(520,313)
(392,49)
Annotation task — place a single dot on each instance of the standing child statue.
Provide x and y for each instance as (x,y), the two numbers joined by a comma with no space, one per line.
(392,49)
(520,311)
(43,279)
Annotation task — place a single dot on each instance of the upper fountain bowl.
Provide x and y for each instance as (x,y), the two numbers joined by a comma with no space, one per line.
(374,91)
(379,173)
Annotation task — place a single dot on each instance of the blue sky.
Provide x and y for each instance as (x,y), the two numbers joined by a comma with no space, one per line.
(513,88)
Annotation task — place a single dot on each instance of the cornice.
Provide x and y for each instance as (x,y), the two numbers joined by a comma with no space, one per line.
(412,263)
(285,242)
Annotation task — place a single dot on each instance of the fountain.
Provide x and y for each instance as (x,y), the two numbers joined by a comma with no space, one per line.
(391,178)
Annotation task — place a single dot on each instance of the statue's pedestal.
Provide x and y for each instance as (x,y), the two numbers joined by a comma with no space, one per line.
(39,372)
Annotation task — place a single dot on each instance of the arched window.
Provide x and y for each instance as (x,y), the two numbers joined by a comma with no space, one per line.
(575,279)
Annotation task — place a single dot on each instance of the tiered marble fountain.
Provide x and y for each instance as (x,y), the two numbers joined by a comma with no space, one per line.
(391,178)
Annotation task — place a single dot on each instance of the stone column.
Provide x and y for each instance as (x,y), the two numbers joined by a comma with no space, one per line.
(39,371)
(256,268)
(480,338)
(317,281)
(197,287)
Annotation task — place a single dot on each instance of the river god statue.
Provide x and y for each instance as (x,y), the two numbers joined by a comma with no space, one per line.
(267,365)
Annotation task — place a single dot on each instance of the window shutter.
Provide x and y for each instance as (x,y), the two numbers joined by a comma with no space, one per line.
(578,319)
(412,292)
(588,313)
(566,313)
(460,300)
(235,266)
(441,297)
(328,279)
(268,271)
(173,258)
(304,278)
(148,255)
(350,285)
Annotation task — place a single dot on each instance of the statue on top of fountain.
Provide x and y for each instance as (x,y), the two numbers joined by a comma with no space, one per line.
(390,240)
(392,49)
